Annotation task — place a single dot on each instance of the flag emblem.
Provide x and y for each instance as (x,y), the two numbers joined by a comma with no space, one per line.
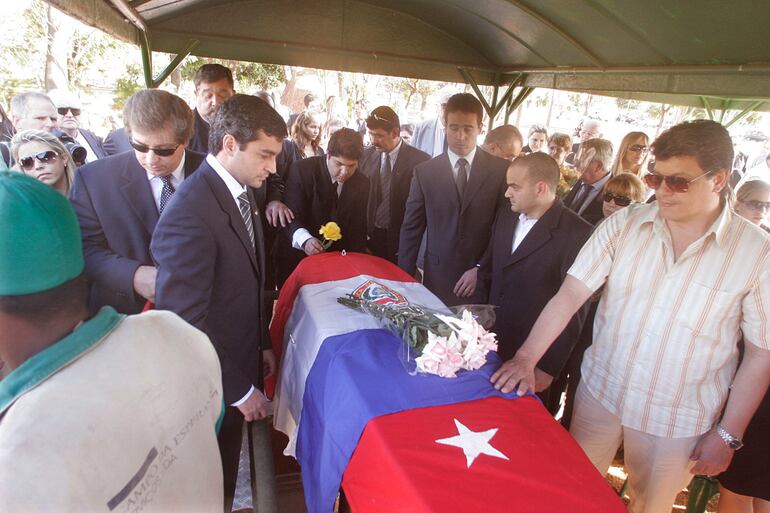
(378,293)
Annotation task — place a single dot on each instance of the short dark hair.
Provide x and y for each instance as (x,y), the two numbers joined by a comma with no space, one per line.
(213,73)
(541,167)
(42,307)
(503,134)
(308,99)
(464,102)
(346,143)
(385,118)
(243,116)
(707,141)
(150,110)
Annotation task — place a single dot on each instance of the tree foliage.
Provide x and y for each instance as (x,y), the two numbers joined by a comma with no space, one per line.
(250,76)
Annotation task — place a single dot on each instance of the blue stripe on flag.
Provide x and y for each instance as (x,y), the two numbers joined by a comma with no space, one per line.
(356,377)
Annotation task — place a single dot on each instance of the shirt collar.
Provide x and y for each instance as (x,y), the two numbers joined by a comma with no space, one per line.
(235,188)
(524,219)
(176,175)
(454,157)
(599,184)
(394,152)
(718,228)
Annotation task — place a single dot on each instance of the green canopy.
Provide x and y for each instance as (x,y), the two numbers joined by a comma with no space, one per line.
(704,53)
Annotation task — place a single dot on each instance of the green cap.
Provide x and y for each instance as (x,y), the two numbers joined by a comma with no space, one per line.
(40,245)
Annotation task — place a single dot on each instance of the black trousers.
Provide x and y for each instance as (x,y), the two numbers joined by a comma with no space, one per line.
(229,440)
(377,243)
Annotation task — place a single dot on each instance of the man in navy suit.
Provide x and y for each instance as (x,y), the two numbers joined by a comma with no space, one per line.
(389,164)
(69,110)
(453,200)
(209,249)
(534,242)
(118,199)
(594,166)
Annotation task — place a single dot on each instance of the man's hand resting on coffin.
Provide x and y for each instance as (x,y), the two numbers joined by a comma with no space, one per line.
(518,374)
(255,407)
(268,362)
(312,246)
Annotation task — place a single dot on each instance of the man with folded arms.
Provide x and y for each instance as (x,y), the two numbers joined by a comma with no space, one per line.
(685,279)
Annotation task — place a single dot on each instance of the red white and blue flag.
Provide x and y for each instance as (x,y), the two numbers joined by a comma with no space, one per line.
(429,443)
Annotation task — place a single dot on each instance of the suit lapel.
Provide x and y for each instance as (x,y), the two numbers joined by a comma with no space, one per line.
(228,205)
(570,197)
(538,235)
(476,179)
(138,193)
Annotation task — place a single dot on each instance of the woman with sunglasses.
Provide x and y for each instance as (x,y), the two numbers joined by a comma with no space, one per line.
(745,486)
(632,154)
(306,135)
(43,156)
(620,191)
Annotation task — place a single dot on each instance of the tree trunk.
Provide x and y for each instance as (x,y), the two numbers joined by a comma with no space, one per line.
(588,105)
(56,52)
(663,111)
(550,109)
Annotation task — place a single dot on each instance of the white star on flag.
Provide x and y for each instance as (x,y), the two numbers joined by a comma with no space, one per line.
(473,443)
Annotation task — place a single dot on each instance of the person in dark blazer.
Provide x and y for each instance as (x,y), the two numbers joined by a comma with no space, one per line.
(453,200)
(118,199)
(69,109)
(389,164)
(209,249)
(116,142)
(214,85)
(585,197)
(323,189)
(534,241)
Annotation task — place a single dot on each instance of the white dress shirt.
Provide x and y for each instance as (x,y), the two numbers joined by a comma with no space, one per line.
(156,184)
(454,157)
(90,154)
(236,189)
(523,227)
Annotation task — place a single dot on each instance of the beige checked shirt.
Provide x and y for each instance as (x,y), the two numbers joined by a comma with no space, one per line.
(666,332)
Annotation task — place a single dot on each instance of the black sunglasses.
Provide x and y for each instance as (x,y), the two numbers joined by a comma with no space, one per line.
(621,201)
(161,152)
(44,157)
(675,183)
(639,147)
(757,205)
(63,111)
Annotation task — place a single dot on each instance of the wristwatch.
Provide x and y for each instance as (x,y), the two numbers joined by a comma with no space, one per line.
(731,441)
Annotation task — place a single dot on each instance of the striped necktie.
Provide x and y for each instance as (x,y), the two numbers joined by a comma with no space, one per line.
(245,208)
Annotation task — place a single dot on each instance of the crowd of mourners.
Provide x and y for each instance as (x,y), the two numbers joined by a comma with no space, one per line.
(631,283)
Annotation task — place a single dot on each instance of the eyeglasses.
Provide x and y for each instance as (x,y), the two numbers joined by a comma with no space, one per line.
(757,205)
(621,201)
(675,183)
(161,152)
(43,157)
(639,147)
(63,111)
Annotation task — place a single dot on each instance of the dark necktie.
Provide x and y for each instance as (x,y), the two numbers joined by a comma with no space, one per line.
(245,208)
(166,193)
(580,197)
(382,216)
(462,176)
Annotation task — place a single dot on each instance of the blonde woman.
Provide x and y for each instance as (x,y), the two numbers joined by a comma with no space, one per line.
(43,156)
(306,135)
(632,154)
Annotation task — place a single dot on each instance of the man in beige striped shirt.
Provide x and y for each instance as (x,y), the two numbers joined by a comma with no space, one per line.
(684,281)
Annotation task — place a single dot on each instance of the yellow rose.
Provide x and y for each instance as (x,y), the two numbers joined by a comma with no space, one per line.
(331,231)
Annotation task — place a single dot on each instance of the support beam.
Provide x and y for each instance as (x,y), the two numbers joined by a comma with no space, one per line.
(144,46)
(498,102)
(175,62)
(707,106)
(516,102)
(149,81)
(745,112)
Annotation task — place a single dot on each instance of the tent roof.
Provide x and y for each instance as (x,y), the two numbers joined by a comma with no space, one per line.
(656,50)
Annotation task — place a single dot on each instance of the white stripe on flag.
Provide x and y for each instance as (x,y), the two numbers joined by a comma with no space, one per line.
(315,316)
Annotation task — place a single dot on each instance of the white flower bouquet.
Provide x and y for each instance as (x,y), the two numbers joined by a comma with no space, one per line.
(436,343)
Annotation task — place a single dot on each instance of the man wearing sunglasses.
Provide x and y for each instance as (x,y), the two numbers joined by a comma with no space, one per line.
(119,199)
(69,109)
(686,280)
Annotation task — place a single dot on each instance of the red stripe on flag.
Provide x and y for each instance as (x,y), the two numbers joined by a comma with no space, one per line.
(399,466)
(318,269)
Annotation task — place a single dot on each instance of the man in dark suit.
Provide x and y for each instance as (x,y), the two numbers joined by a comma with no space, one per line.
(453,199)
(69,110)
(323,189)
(213,86)
(389,164)
(116,142)
(209,250)
(118,199)
(534,242)
(593,167)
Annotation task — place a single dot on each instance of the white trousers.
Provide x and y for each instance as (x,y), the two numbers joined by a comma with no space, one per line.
(658,468)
